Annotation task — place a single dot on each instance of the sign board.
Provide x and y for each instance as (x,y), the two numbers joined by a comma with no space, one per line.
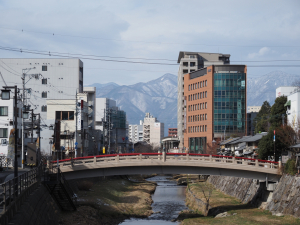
(76,143)
(103,150)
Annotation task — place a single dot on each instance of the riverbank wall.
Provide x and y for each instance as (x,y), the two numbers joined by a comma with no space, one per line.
(285,199)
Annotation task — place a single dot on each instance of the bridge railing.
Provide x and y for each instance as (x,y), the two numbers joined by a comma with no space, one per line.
(116,158)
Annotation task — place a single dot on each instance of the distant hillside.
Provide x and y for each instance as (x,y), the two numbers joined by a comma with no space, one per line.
(260,89)
(159,96)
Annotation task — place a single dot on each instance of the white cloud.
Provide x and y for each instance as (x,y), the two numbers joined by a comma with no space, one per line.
(261,52)
(161,29)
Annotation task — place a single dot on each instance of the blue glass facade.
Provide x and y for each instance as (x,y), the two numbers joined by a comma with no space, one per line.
(229,102)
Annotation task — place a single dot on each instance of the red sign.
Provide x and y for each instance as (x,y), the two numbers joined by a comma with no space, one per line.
(274,132)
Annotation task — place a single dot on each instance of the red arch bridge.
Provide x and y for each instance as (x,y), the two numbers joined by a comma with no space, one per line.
(169,163)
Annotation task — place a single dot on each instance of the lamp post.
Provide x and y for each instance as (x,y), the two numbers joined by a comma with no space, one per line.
(5,95)
(50,143)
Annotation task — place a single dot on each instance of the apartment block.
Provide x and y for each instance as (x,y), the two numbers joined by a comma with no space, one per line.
(188,63)
(135,132)
(55,79)
(6,126)
(172,132)
(153,130)
(215,105)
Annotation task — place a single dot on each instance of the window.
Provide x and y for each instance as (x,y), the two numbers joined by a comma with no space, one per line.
(4,111)
(192,71)
(201,95)
(205,116)
(206,83)
(189,87)
(189,98)
(201,84)
(198,85)
(185,64)
(44,108)
(44,94)
(192,64)
(185,71)
(206,105)
(64,115)
(3,133)
(44,68)
(205,127)
(44,81)
(198,95)
(206,94)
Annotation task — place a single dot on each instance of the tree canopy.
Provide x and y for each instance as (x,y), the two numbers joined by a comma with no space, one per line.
(277,110)
(261,119)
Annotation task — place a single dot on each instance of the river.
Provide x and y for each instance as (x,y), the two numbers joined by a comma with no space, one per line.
(168,201)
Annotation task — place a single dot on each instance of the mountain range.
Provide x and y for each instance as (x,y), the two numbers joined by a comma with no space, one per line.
(159,96)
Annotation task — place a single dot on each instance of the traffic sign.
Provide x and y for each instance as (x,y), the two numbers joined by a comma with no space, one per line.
(76,143)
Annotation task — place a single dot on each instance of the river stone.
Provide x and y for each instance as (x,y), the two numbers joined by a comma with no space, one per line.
(224,214)
(279,214)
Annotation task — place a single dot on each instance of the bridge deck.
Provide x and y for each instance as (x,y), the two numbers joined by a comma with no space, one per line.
(166,163)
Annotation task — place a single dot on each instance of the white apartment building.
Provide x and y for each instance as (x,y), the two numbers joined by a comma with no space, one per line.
(55,79)
(293,109)
(190,62)
(135,132)
(284,90)
(6,125)
(153,130)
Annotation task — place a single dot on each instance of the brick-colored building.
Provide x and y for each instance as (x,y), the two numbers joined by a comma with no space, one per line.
(172,132)
(215,101)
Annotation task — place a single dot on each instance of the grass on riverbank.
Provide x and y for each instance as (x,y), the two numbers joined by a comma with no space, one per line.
(112,200)
(245,213)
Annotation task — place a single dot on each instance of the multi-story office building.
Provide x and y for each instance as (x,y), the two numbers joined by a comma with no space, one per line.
(112,122)
(188,63)
(65,112)
(135,132)
(153,130)
(215,104)
(250,123)
(48,79)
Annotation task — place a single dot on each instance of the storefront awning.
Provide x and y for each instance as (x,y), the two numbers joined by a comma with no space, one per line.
(288,103)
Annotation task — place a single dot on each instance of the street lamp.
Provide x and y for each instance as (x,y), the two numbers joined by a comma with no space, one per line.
(5,95)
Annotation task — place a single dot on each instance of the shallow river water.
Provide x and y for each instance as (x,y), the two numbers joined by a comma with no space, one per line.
(168,201)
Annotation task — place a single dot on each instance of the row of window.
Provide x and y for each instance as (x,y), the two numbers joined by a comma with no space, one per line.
(192,64)
(198,117)
(198,96)
(4,111)
(198,85)
(198,106)
(194,129)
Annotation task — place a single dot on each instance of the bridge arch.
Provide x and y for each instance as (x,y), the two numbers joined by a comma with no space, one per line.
(169,163)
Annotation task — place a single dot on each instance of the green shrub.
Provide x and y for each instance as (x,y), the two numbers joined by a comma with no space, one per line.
(290,167)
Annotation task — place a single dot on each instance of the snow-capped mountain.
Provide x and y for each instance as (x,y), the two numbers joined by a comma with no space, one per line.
(262,88)
(159,97)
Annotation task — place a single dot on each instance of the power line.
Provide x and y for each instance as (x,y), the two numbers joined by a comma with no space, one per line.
(139,41)
(112,60)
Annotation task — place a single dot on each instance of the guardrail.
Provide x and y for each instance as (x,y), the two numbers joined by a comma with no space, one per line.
(168,157)
(15,191)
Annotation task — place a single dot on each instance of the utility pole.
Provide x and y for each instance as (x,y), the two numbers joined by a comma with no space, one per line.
(76,124)
(24,73)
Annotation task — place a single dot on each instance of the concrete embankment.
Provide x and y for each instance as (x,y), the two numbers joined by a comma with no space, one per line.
(285,199)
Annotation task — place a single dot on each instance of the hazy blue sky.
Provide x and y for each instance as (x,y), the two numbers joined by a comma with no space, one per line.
(157,29)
